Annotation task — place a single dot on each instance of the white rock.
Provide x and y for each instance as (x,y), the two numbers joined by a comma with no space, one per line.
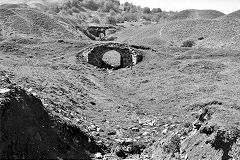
(98,156)
(164,131)
(4,90)
(128,140)
(145,133)
(29,90)
(92,127)
(152,123)
(99,129)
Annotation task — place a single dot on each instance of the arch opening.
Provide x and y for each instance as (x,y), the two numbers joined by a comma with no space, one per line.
(112,56)
(112,59)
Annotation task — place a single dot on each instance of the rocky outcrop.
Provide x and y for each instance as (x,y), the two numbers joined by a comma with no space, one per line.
(211,136)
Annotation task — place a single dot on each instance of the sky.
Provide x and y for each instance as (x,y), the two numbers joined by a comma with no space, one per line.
(225,6)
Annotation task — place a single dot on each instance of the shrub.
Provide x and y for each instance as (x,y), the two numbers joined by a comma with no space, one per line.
(173,146)
(158,16)
(75,10)
(110,20)
(54,8)
(119,19)
(63,12)
(90,4)
(110,5)
(112,13)
(146,10)
(67,5)
(128,7)
(69,12)
(188,43)
(101,14)
(156,10)
(147,17)
(130,17)
(95,20)
(80,16)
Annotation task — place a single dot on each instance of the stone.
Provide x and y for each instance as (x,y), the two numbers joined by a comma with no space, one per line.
(145,133)
(99,129)
(152,123)
(196,124)
(111,132)
(4,90)
(135,129)
(29,90)
(128,140)
(98,155)
(165,131)
(92,127)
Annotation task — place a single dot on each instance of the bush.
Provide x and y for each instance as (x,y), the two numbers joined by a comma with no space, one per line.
(156,10)
(63,12)
(54,8)
(147,17)
(188,43)
(146,10)
(70,12)
(80,16)
(119,19)
(110,5)
(158,16)
(90,4)
(110,20)
(173,146)
(112,13)
(95,20)
(130,17)
(75,10)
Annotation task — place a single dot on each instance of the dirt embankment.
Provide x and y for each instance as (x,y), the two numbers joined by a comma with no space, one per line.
(28,132)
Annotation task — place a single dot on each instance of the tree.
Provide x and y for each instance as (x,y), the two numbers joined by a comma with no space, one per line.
(146,10)
(111,5)
(126,7)
(156,10)
(91,4)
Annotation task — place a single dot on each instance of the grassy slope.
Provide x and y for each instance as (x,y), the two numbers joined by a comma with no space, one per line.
(30,22)
(196,14)
(215,33)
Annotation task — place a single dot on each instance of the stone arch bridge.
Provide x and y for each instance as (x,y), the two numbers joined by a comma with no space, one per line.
(129,55)
(98,31)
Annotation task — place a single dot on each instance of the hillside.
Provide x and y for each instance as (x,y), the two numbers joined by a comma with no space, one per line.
(233,15)
(196,14)
(33,23)
(207,33)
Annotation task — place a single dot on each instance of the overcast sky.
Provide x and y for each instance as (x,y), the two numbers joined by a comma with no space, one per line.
(225,6)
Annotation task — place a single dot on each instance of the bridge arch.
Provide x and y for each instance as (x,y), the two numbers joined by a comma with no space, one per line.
(129,56)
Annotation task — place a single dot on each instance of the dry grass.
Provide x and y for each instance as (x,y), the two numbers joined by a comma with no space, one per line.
(29,22)
(196,14)
(233,15)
